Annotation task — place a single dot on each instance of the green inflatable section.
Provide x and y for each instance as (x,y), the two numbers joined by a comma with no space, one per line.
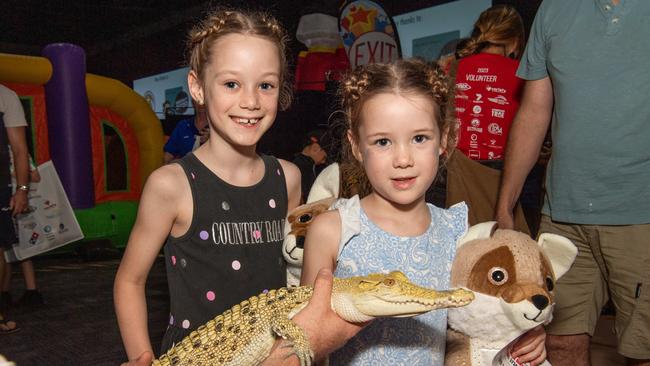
(111,220)
(106,223)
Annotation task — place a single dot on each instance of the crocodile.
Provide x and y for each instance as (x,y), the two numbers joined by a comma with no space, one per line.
(244,335)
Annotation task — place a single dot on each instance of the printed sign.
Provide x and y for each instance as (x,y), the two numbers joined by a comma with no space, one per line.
(368,33)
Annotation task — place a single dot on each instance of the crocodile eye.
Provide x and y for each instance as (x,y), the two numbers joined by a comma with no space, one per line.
(389,282)
(497,276)
(305,218)
(549,284)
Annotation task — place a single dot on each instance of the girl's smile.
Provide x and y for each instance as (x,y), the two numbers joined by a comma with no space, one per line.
(247,122)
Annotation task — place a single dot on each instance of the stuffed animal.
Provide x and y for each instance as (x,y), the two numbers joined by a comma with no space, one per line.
(295,229)
(512,277)
(322,196)
(327,184)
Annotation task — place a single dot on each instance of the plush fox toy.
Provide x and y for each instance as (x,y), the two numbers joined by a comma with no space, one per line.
(512,277)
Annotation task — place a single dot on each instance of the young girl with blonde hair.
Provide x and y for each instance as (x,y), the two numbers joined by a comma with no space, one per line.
(218,213)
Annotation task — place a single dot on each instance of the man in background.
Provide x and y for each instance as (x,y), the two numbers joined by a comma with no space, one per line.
(597,185)
(310,160)
(188,135)
(12,135)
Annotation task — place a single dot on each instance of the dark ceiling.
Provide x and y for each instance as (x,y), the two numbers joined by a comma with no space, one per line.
(94,25)
(128,39)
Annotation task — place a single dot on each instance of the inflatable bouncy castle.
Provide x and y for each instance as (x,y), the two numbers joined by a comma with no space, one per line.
(102,137)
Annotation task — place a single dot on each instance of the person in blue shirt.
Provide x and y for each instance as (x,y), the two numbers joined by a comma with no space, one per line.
(187,136)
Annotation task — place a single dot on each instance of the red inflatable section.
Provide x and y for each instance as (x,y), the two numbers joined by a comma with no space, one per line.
(38,119)
(105,145)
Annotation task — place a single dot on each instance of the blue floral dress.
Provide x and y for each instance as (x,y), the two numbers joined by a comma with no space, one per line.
(425,259)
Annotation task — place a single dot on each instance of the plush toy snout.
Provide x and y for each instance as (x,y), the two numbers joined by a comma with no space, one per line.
(540,301)
(527,305)
(533,293)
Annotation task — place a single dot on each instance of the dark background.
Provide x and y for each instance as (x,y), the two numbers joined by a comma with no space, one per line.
(130,39)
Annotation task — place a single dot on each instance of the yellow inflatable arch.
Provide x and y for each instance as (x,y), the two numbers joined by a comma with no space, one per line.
(104,92)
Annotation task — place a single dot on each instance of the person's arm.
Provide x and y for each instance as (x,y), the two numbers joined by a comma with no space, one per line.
(524,143)
(321,246)
(326,330)
(157,213)
(18,143)
(292,178)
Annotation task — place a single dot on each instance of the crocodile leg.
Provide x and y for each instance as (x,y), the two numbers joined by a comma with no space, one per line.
(297,338)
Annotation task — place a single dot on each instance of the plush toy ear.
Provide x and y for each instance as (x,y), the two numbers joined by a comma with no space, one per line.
(560,251)
(483,230)
(326,184)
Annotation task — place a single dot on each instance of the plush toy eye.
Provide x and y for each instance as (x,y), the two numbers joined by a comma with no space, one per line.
(305,218)
(498,276)
(549,284)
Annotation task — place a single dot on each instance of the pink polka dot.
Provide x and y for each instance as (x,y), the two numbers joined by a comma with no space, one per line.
(171,319)
(193,176)
(236,265)
(210,295)
(278,171)
(204,235)
(186,324)
(272,203)
(173,260)
(257,234)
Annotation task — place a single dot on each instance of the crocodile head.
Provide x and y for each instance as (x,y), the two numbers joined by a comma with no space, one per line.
(359,299)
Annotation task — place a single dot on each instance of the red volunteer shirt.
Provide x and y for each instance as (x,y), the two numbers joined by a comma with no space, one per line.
(487,98)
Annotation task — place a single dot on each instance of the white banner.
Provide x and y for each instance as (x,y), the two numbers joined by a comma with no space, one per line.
(51,222)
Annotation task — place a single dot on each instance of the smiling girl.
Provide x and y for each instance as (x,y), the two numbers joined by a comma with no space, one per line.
(219,212)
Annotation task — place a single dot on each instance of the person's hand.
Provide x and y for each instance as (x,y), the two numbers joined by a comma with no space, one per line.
(325,330)
(144,359)
(530,347)
(18,203)
(34,176)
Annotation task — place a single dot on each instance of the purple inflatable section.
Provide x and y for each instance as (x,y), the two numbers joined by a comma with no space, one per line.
(68,122)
